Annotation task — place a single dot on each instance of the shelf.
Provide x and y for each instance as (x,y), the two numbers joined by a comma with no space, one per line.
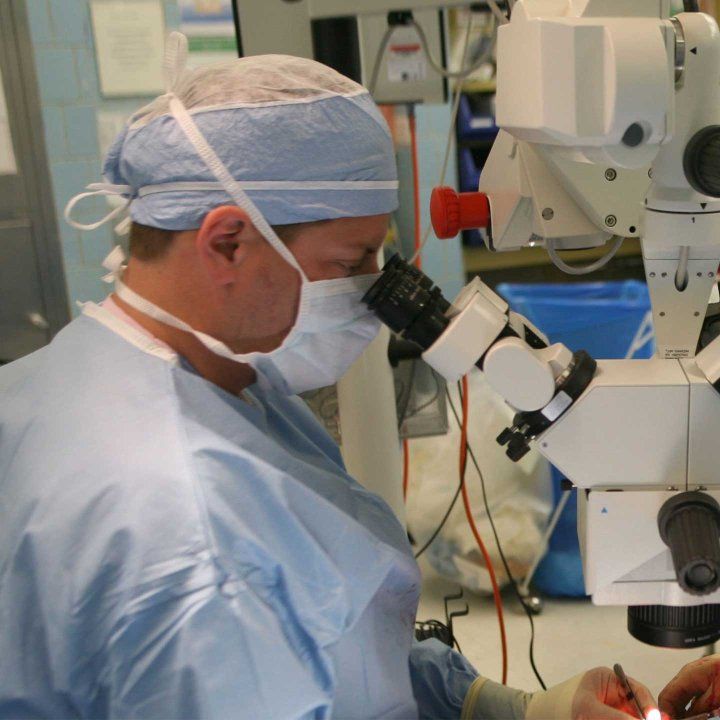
(479,86)
(478,259)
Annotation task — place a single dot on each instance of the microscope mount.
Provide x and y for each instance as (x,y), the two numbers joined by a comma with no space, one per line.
(610,128)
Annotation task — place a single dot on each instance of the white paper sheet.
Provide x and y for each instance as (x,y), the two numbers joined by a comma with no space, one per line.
(129,46)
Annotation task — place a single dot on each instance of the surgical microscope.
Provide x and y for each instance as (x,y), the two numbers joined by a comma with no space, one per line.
(610,128)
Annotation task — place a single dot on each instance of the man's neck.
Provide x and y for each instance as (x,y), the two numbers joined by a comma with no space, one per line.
(231,376)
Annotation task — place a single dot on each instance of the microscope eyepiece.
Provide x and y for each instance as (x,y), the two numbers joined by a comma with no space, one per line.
(405,299)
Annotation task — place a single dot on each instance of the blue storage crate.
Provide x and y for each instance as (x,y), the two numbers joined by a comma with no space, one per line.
(600,317)
(476,118)
(469,170)
(604,318)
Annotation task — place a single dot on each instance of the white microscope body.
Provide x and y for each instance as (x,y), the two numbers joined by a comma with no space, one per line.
(610,118)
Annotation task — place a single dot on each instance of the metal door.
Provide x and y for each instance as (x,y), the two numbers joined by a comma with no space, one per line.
(33,300)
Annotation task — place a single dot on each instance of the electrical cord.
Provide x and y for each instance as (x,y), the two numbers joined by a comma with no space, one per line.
(497,12)
(513,582)
(402,415)
(464,395)
(426,629)
(406,468)
(443,631)
(412,127)
(379,58)
(560,264)
(431,401)
(436,66)
(451,131)
(439,528)
(417,230)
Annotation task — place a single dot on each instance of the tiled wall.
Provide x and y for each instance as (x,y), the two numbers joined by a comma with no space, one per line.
(70,97)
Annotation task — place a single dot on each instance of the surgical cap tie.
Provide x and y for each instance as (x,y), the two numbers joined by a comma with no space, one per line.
(296,138)
(101,189)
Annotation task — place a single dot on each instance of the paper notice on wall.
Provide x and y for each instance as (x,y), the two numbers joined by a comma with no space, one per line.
(405,57)
(8,165)
(210,29)
(129,46)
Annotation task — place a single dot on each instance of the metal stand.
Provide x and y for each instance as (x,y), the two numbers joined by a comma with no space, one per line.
(534,603)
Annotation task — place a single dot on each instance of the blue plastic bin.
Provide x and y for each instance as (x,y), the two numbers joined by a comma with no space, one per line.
(476,118)
(602,318)
(468,170)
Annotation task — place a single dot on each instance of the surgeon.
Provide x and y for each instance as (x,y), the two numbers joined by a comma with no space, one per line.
(178,535)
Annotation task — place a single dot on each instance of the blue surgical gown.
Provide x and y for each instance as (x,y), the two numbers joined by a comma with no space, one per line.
(169,550)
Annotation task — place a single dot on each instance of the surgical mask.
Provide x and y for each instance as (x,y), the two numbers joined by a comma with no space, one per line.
(332,327)
(331,331)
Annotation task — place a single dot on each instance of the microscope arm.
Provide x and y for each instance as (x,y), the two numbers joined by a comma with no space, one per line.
(477,329)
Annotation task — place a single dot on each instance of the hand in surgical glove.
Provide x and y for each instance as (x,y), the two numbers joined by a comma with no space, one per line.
(698,682)
(596,694)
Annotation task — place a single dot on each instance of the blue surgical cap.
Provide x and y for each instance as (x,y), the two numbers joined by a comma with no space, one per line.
(303,141)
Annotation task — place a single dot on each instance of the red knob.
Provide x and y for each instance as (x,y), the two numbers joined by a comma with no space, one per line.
(452,212)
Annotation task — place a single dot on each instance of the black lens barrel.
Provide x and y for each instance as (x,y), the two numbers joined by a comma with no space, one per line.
(405,299)
(675,627)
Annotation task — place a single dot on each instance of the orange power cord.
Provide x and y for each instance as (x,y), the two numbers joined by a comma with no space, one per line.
(412,126)
(473,527)
(463,435)
(416,181)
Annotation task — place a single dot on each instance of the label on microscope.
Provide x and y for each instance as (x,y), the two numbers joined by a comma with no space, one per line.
(676,353)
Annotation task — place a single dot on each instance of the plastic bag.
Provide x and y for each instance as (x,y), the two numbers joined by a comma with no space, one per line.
(519,495)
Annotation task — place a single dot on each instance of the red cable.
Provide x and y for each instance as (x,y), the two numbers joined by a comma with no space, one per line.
(416,203)
(416,180)
(463,436)
(406,467)
(478,539)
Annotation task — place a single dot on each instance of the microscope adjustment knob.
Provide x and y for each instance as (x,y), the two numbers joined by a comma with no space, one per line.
(689,525)
(702,161)
(452,212)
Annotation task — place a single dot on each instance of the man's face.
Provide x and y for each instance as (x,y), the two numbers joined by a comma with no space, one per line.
(325,251)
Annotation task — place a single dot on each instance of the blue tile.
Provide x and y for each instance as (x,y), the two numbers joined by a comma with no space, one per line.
(86,284)
(56,74)
(70,243)
(96,244)
(81,128)
(87,74)
(172,15)
(69,178)
(54,123)
(70,21)
(39,21)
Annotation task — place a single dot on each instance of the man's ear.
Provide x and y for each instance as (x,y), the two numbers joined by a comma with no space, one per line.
(223,240)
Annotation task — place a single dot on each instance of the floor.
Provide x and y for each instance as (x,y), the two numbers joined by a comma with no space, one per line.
(570,636)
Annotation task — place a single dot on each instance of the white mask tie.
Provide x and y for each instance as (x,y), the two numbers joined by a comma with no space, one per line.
(116,263)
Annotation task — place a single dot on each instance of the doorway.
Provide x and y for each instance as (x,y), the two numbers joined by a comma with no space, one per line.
(33,296)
